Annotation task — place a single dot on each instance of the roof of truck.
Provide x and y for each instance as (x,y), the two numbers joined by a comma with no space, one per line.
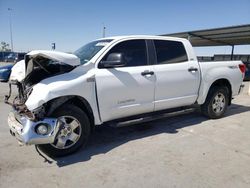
(142,37)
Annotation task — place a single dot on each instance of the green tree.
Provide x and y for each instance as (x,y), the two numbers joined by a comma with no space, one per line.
(5,47)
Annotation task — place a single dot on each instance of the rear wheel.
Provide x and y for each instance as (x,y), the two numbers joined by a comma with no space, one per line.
(73,134)
(216,102)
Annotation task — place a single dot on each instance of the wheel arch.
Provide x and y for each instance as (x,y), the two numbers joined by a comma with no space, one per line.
(78,101)
(223,82)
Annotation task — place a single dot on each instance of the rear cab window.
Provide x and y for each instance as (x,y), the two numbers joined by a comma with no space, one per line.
(168,52)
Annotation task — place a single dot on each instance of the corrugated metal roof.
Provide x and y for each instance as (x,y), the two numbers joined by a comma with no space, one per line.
(234,35)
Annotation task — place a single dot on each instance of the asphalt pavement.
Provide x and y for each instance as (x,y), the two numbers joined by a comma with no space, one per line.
(184,151)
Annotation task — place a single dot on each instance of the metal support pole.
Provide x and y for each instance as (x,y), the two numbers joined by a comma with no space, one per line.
(11,39)
(248,87)
(232,52)
(189,38)
(103,31)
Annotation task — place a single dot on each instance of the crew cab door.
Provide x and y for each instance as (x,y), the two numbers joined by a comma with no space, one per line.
(178,78)
(127,90)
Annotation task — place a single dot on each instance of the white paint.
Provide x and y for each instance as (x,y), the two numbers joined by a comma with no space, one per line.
(18,71)
(70,59)
(123,91)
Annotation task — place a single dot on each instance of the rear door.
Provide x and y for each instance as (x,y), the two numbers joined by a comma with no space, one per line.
(129,90)
(177,78)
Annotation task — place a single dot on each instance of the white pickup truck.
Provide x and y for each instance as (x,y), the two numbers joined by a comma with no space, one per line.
(119,80)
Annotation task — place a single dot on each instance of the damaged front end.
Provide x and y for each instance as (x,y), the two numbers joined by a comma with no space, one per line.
(30,127)
(35,126)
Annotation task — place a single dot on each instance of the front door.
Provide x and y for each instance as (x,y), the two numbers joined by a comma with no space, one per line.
(128,90)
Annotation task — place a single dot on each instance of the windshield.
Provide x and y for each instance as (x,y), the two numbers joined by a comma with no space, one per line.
(89,50)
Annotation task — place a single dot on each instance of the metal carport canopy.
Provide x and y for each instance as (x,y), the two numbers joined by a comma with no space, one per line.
(233,35)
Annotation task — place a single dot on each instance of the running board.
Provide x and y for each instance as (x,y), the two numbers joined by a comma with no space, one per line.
(150,118)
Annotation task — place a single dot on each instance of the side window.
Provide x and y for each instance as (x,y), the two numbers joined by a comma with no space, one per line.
(170,52)
(134,52)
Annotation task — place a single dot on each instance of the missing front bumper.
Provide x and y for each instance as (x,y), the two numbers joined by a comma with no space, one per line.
(24,129)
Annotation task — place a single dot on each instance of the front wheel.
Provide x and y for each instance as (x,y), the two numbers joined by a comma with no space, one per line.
(216,102)
(73,135)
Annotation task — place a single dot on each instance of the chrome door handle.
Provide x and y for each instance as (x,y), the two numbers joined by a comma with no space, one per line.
(192,69)
(147,72)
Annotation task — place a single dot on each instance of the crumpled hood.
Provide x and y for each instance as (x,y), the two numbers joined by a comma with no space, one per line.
(18,71)
(66,58)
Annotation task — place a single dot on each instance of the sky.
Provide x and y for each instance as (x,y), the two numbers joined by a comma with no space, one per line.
(72,23)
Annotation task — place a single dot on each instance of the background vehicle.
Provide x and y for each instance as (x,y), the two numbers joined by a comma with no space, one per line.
(247,74)
(5,73)
(10,58)
(14,57)
(117,80)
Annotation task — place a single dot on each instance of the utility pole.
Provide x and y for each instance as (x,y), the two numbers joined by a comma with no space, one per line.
(11,39)
(53,46)
(103,31)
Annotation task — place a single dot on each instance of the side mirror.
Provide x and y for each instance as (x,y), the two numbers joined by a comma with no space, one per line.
(113,60)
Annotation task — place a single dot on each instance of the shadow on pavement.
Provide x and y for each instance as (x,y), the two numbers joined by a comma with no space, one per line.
(106,138)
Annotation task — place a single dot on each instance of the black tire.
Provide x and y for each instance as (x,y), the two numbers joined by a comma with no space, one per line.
(208,108)
(82,118)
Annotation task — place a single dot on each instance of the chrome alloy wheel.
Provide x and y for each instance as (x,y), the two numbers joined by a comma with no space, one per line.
(219,103)
(69,134)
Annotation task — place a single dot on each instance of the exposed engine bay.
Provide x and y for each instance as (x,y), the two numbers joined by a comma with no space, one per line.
(36,69)
(40,68)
